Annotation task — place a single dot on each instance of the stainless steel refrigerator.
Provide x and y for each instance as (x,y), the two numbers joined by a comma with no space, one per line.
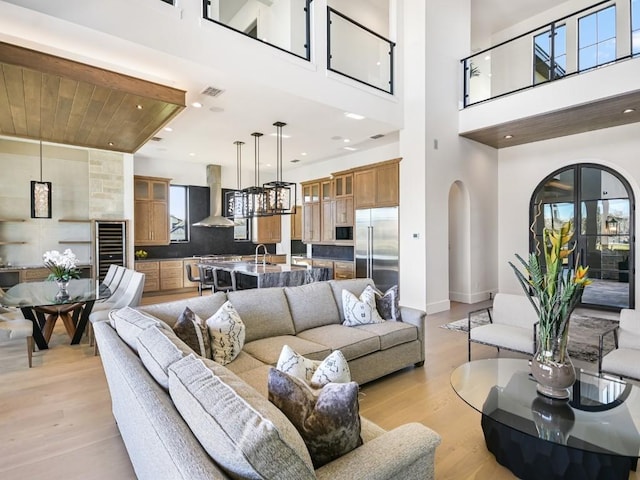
(377,245)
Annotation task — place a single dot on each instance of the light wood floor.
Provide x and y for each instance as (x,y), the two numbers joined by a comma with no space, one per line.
(56,423)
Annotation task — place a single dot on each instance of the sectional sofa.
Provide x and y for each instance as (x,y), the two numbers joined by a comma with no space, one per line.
(308,318)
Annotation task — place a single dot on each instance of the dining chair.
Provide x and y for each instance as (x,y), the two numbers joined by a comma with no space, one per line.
(13,326)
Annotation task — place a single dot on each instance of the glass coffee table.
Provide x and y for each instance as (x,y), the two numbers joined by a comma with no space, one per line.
(593,435)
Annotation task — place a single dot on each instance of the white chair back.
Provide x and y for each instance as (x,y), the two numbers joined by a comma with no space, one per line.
(629,329)
(514,310)
(131,295)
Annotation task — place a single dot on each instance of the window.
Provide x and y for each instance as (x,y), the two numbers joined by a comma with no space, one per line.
(635,27)
(597,38)
(179,213)
(550,56)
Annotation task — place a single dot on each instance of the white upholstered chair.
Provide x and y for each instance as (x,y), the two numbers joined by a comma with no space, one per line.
(512,325)
(13,326)
(624,359)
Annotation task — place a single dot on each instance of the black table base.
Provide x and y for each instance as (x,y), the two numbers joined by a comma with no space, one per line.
(532,458)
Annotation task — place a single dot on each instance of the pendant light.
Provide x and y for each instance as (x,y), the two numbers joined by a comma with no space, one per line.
(40,191)
(278,192)
(235,200)
(255,205)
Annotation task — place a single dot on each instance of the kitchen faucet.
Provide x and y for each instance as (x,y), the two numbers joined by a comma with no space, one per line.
(264,255)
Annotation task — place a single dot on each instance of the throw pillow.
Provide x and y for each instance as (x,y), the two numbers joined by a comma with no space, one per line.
(388,304)
(328,422)
(227,334)
(315,373)
(193,331)
(360,311)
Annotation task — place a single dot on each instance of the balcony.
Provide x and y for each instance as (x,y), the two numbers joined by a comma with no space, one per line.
(570,76)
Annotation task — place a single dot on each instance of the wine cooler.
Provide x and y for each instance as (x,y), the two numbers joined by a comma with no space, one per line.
(110,239)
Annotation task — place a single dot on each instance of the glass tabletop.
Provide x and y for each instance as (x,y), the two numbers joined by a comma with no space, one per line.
(39,294)
(602,415)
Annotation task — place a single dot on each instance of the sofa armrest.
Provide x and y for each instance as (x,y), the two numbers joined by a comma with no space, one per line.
(418,318)
(405,452)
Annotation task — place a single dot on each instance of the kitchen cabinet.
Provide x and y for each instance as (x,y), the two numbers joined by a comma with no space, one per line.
(343,270)
(327,210)
(267,229)
(377,186)
(343,185)
(151,270)
(296,223)
(323,263)
(311,211)
(151,211)
(171,273)
(344,212)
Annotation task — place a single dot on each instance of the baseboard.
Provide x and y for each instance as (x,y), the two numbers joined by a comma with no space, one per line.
(437,307)
(470,298)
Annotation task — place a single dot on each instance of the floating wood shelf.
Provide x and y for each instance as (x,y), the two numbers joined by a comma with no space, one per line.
(12,220)
(13,243)
(75,220)
(75,242)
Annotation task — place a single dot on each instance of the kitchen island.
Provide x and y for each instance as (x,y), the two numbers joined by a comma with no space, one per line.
(264,275)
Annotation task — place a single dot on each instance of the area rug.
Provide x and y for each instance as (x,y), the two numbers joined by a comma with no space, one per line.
(584,333)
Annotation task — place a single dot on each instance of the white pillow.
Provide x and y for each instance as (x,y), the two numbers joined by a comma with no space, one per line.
(315,373)
(227,334)
(360,311)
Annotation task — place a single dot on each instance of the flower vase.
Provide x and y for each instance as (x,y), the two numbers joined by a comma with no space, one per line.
(63,293)
(552,368)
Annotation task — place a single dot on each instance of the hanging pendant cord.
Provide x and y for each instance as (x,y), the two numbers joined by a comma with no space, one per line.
(239,163)
(40,160)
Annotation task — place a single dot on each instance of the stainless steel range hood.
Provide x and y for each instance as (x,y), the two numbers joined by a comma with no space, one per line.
(215,218)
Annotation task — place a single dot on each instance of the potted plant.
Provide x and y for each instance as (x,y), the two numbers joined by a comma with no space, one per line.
(63,267)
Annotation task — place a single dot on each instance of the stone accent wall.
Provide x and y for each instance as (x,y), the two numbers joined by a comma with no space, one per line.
(106,185)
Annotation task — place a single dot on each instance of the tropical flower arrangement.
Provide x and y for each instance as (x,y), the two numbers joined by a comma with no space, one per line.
(63,266)
(554,293)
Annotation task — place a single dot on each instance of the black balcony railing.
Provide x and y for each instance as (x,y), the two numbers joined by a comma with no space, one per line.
(287,31)
(541,55)
(359,53)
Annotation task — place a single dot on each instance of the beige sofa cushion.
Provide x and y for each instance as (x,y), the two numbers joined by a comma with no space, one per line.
(244,433)
(268,350)
(354,285)
(203,306)
(264,311)
(244,362)
(391,333)
(129,323)
(352,342)
(159,349)
(312,305)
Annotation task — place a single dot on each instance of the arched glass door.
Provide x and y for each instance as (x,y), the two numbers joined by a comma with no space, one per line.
(600,203)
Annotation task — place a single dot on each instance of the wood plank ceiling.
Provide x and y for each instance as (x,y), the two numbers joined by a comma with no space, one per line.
(605,113)
(62,101)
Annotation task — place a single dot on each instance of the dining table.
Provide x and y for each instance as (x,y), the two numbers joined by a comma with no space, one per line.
(42,303)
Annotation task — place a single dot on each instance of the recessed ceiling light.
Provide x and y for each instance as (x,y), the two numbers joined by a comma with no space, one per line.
(192,154)
(111,144)
(378,64)
(196,105)
(139,107)
(346,140)
(488,57)
(168,129)
(507,137)
(629,110)
(351,149)
(304,154)
(353,116)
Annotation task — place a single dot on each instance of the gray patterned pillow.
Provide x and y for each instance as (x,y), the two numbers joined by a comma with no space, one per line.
(360,311)
(328,419)
(193,331)
(388,304)
(315,373)
(227,332)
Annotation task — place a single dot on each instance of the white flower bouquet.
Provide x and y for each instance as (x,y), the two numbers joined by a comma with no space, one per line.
(63,266)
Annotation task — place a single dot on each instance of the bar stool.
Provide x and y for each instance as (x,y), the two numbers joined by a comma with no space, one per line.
(197,280)
(220,283)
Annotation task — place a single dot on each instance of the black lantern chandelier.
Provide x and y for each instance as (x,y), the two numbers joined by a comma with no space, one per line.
(235,200)
(255,202)
(278,194)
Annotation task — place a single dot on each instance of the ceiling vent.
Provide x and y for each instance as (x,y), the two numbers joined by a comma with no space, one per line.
(156,139)
(212,92)
(376,136)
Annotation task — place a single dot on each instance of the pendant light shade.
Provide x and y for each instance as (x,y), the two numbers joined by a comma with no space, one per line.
(235,200)
(280,195)
(255,204)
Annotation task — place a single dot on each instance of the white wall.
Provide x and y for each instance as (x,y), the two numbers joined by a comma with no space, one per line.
(523,167)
